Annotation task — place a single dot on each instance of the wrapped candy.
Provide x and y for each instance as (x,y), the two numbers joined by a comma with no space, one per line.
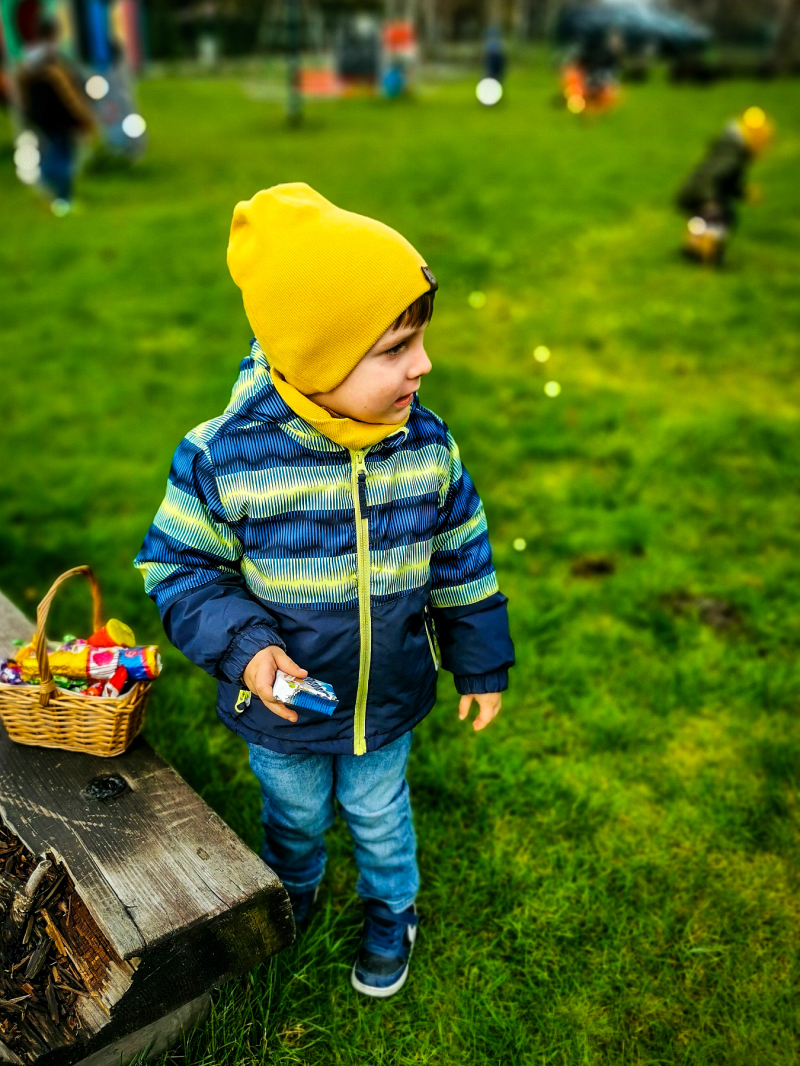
(114,634)
(142,664)
(81,661)
(115,684)
(304,692)
(10,673)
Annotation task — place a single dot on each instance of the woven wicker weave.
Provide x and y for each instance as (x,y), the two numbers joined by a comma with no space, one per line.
(52,717)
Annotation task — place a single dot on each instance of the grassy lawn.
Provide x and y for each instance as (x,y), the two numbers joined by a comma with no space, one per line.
(611,870)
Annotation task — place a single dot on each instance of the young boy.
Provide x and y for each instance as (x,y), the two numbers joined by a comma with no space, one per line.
(324,525)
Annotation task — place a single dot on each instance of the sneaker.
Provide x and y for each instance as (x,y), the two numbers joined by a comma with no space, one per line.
(381,966)
(302,902)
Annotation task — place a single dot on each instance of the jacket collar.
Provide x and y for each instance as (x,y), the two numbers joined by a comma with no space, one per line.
(254,397)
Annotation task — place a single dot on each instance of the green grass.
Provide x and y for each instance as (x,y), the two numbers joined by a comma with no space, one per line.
(610,872)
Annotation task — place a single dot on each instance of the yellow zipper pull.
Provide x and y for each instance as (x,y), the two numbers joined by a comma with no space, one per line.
(361,470)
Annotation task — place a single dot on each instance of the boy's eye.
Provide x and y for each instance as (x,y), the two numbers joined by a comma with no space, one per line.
(397,348)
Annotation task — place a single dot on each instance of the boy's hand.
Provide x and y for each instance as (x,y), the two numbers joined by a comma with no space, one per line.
(259,676)
(488,707)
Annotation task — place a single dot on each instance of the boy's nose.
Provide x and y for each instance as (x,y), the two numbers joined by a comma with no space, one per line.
(421,365)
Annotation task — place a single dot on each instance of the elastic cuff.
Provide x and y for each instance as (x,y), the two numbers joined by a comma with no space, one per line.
(247,643)
(298,887)
(480,684)
(396,906)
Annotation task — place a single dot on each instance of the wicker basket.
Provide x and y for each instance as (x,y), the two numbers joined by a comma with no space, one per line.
(51,717)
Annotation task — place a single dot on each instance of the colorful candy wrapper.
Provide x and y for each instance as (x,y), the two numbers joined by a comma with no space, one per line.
(304,692)
(114,634)
(81,661)
(114,686)
(10,674)
(142,664)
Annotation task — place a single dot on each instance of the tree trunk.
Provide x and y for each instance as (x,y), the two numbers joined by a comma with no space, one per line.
(787,41)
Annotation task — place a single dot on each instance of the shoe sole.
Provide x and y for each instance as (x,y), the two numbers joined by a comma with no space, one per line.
(384,993)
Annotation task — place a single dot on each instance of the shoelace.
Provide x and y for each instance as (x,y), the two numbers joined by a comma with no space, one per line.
(384,931)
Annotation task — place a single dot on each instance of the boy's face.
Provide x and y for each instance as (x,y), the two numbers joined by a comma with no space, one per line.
(381,387)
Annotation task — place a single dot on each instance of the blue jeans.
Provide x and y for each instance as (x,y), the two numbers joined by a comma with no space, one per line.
(58,163)
(299,791)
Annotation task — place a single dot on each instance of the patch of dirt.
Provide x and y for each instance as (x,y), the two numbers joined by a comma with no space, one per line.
(593,566)
(719,615)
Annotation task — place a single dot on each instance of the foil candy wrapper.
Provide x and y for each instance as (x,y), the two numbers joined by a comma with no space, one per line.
(304,692)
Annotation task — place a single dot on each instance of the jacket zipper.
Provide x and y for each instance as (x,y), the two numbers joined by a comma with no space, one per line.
(358,487)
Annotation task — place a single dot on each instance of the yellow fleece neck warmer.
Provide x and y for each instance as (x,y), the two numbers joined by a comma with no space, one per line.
(320,285)
(345,431)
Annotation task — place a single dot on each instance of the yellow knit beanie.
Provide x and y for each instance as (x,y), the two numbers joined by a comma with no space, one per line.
(320,285)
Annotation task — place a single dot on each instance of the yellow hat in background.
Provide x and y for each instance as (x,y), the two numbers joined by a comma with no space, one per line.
(756,129)
(320,285)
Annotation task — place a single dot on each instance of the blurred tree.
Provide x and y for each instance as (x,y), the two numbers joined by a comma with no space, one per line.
(743,21)
(787,40)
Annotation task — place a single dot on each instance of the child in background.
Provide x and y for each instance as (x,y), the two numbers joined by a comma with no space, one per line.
(710,193)
(54,103)
(324,525)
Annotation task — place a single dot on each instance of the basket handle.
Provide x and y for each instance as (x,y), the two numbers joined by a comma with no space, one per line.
(47,685)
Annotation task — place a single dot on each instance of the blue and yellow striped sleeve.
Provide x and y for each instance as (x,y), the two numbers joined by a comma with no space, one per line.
(461,559)
(190,561)
(469,610)
(189,542)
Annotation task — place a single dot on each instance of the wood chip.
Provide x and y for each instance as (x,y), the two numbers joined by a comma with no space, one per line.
(52,1002)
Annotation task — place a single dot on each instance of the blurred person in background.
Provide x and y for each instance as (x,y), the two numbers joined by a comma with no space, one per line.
(495,59)
(55,105)
(590,79)
(709,194)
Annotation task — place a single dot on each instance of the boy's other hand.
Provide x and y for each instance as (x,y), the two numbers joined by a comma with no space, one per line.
(488,707)
(259,676)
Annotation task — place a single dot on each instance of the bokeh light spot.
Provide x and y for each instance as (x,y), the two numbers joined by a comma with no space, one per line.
(697,226)
(27,157)
(520,544)
(97,87)
(754,117)
(576,104)
(489,91)
(133,125)
(29,177)
(552,388)
(477,300)
(541,354)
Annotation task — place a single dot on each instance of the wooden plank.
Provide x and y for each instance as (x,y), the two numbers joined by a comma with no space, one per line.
(152,1040)
(13,626)
(157,849)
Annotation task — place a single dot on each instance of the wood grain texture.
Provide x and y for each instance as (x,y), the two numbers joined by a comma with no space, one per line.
(150,862)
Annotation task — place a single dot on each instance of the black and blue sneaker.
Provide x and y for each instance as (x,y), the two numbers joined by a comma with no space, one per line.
(381,966)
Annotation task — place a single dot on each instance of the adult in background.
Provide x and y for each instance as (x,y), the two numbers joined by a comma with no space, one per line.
(709,195)
(54,103)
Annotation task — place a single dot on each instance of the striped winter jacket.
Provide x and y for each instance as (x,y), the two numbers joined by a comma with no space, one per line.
(355,562)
